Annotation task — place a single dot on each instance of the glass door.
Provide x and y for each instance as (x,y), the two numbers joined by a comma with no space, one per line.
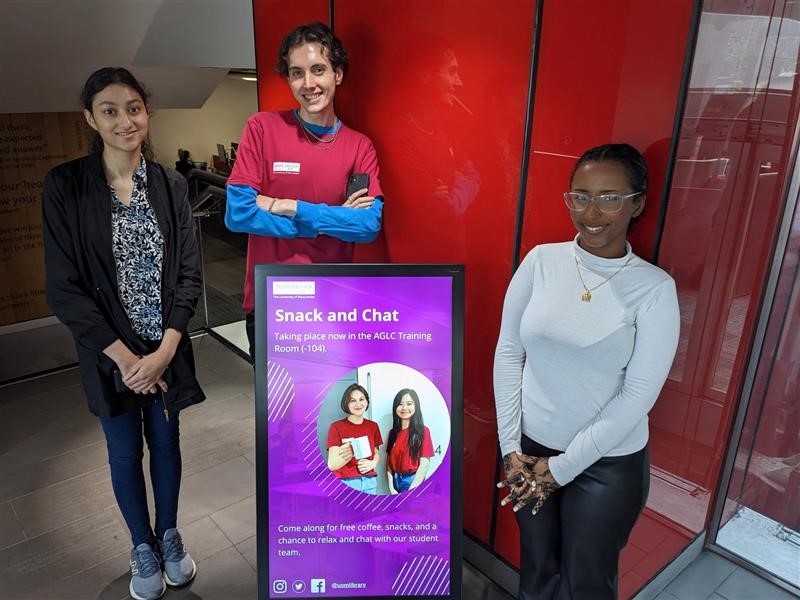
(758,518)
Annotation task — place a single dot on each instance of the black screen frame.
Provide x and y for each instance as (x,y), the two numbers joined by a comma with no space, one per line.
(456,275)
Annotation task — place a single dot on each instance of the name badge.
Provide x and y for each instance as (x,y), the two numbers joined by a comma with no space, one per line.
(286,167)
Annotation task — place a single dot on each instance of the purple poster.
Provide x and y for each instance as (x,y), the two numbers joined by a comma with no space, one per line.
(359,379)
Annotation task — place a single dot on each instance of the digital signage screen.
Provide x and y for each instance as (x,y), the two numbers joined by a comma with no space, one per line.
(359,430)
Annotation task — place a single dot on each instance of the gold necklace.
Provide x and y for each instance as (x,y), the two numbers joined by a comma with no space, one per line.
(586,296)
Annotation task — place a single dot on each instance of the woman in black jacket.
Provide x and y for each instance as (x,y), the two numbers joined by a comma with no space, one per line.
(124,274)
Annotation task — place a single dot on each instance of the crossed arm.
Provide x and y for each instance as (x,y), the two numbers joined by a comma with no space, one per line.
(358,219)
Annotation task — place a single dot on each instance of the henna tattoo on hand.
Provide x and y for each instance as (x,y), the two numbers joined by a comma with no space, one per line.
(507,462)
(539,482)
(512,464)
(516,480)
(528,478)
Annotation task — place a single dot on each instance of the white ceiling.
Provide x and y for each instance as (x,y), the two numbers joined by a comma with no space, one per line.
(180,49)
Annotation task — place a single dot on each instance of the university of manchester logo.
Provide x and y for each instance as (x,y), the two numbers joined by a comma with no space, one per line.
(297,289)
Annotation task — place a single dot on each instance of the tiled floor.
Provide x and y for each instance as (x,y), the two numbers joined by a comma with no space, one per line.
(62,537)
(761,540)
(712,577)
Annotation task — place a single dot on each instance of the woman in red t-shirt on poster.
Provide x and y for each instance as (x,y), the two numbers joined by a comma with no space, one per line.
(353,443)
(410,446)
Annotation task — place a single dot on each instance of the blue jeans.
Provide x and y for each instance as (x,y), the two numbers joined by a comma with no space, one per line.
(368,485)
(402,481)
(125,452)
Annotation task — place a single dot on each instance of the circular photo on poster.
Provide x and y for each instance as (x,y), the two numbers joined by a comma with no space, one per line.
(383,428)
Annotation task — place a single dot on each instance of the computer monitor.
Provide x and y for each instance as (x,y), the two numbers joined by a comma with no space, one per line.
(221,153)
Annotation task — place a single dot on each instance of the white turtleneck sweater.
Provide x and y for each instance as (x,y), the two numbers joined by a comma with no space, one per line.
(580,377)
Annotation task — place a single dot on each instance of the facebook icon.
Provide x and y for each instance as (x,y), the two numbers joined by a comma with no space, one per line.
(317,586)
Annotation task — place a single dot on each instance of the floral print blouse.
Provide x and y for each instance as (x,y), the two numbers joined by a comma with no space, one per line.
(139,254)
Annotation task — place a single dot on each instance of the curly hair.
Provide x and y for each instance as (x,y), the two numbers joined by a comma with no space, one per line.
(318,33)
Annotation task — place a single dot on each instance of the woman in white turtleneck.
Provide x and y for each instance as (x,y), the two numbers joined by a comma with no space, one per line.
(588,335)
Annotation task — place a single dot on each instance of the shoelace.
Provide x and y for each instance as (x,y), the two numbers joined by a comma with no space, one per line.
(146,562)
(172,549)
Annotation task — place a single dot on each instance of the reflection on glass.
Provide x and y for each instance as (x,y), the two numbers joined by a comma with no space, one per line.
(434,165)
(761,521)
(727,189)
(451,175)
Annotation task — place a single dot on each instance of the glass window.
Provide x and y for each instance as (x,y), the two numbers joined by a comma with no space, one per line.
(726,202)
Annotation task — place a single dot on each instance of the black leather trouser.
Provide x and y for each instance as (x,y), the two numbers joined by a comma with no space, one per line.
(570,548)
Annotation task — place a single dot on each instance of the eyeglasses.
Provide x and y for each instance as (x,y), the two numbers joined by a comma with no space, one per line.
(605,203)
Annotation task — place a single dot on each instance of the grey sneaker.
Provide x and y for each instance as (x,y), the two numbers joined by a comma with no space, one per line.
(146,580)
(179,568)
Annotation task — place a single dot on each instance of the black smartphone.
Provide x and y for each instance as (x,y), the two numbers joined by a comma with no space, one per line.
(119,385)
(356,181)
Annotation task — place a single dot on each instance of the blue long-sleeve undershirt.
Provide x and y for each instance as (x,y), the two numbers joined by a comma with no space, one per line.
(243,215)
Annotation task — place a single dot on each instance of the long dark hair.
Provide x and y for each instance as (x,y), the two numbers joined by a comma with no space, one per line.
(100,80)
(416,428)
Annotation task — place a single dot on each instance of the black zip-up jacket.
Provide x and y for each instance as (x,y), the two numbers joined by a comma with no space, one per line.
(82,285)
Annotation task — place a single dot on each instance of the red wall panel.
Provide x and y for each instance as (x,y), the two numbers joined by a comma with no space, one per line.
(272,20)
(608,72)
(442,93)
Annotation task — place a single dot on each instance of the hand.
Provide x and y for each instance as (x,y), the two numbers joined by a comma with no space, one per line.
(162,385)
(517,479)
(121,355)
(346,452)
(126,362)
(365,465)
(545,482)
(528,477)
(145,377)
(441,191)
(358,199)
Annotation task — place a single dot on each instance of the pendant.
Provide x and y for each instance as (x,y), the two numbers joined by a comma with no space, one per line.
(586,296)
